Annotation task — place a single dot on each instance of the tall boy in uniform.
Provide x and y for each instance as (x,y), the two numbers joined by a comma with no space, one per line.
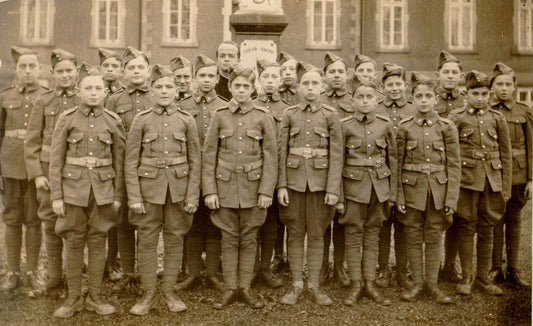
(18,194)
(134,99)
(288,89)
(369,190)
(486,179)
(365,71)
(519,120)
(228,55)
(86,187)
(203,235)
(43,119)
(310,166)
(183,70)
(338,96)
(162,177)
(429,173)
(397,107)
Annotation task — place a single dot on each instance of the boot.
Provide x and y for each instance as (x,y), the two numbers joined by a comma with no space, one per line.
(69,308)
(192,282)
(126,281)
(465,286)
(413,293)
(371,292)
(254,303)
(112,271)
(277,265)
(434,292)
(13,282)
(228,297)
(449,274)
(95,303)
(271,280)
(173,302)
(512,276)
(34,283)
(214,283)
(54,284)
(340,274)
(292,296)
(403,280)
(495,276)
(318,296)
(143,306)
(355,294)
(483,284)
(384,279)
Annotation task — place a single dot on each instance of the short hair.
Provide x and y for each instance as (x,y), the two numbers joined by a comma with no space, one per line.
(242,72)
(230,43)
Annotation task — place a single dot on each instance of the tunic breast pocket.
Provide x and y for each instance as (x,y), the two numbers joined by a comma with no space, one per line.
(516,128)
(410,148)
(381,145)
(74,142)
(13,112)
(351,146)
(256,138)
(225,137)
(464,135)
(323,133)
(180,141)
(148,141)
(438,146)
(126,115)
(50,116)
(293,133)
(106,141)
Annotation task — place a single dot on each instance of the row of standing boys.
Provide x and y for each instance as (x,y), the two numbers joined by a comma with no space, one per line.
(225,169)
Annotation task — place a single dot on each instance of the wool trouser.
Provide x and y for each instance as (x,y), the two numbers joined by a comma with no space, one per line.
(512,220)
(175,223)
(239,228)
(362,223)
(126,240)
(478,211)
(268,235)
(112,246)
(79,226)
(451,245)
(338,242)
(400,244)
(306,214)
(203,235)
(20,208)
(425,227)
(280,239)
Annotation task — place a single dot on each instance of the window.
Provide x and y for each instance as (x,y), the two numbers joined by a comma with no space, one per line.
(525,95)
(524,26)
(392,18)
(460,24)
(108,17)
(323,18)
(179,22)
(37,22)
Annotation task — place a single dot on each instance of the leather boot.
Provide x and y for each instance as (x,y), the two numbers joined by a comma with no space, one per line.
(483,284)
(252,302)
(465,286)
(292,296)
(318,296)
(143,306)
(340,274)
(191,283)
(324,274)
(449,274)
(34,283)
(371,292)
(227,298)
(112,271)
(439,297)
(413,293)
(126,281)
(271,280)
(403,280)
(94,302)
(174,303)
(513,277)
(214,283)
(384,279)
(13,281)
(495,276)
(355,293)
(70,307)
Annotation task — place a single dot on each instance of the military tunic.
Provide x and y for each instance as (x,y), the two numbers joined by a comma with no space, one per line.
(447,101)
(128,103)
(340,99)
(289,94)
(113,88)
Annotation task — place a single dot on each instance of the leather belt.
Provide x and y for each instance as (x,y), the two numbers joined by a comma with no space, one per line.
(365,162)
(519,151)
(89,162)
(475,154)
(308,153)
(163,162)
(15,133)
(241,168)
(424,168)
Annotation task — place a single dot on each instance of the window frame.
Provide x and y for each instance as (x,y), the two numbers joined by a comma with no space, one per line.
(380,45)
(95,41)
(518,48)
(529,95)
(24,19)
(166,40)
(310,43)
(448,26)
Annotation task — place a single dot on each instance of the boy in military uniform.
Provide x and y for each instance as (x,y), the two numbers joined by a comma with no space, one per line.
(365,71)
(449,74)
(163,174)
(203,235)
(86,187)
(43,119)
(486,172)
(270,79)
(182,69)
(134,99)
(228,55)
(397,107)
(310,166)
(369,190)
(429,176)
(519,120)
(238,178)
(288,89)
(18,194)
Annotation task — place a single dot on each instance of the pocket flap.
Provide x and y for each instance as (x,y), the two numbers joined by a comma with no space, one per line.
(146,171)
(75,137)
(225,133)
(353,142)
(150,137)
(182,170)
(106,138)
(411,144)
(438,145)
(321,163)
(12,103)
(71,173)
(180,136)
(520,119)
(352,174)
(51,111)
(496,163)
(405,115)
(106,173)
(492,133)
(442,177)
(466,132)
(468,162)
(124,108)
(321,131)
(293,162)
(522,161)
(255,174)
(383,172)
(255,134)
(381,143)
(346,107)
(409,178)
(294,131)
(222,173)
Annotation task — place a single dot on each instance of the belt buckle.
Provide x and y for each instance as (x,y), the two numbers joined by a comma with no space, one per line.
(379,163)
(307,153)
(161,163)
(91,163)
(426,168)
(239,168)
(478,155)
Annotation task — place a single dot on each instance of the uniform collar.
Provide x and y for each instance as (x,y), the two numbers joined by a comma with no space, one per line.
(293,89)
(472,110)
(143,89)
(444,93)
(86,110)
(313,105)
(182,96)
(170,109)
(28,88)
(505,104)
(399,103)
(209,97)
(246,107)
(274,97)
(430,118)
(371,116)
(67,91)
(336,92)
(114,86)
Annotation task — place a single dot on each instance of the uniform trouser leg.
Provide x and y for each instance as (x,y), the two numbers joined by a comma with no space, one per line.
(126,241)
(195,240)
(400,244)
(112,246)
(280,238)
(268,233)
(451,245)
(337,234)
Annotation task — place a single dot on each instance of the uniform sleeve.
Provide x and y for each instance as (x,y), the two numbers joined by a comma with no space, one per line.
(34,139)
(401,140)
(209,158)
(131,163)
(57,157)
(335,155)
(393,162)
(529,141)
(505,154)
(270,157)
(111,102)
(283,149)
(195,165)
(453,165)
(2,123)
(341,183)
(118,150)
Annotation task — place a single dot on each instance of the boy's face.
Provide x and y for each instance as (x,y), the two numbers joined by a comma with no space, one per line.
(503,87)
(449,75)
(288,72)
(270,79)
(137,72)
(478,97)
(28,69)
(164,90)
(366,72)
(310,86)
(65,74)
(183,78)
(394,87)
(241,89)
(92,91)
(110,68)
(424,98)
(364,99)
(335,75)
(207,78)
(227,57)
